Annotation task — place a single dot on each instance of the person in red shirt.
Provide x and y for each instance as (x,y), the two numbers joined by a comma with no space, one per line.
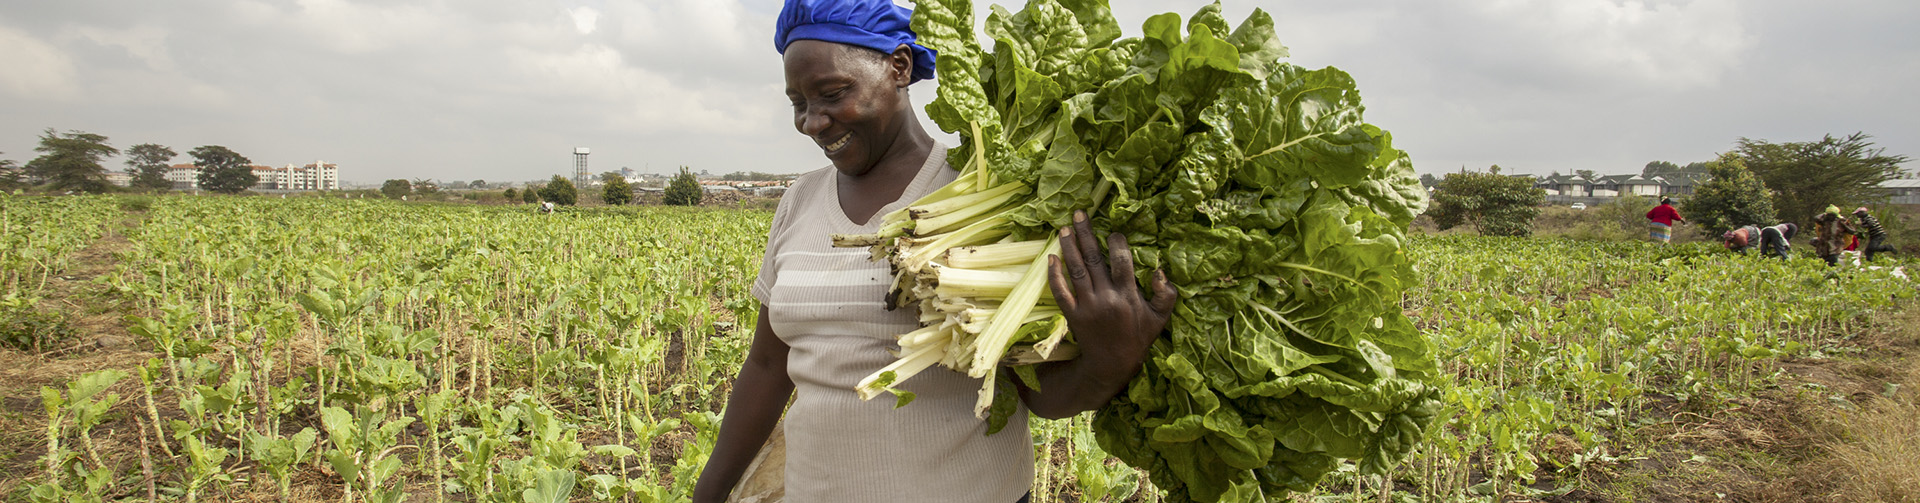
(1662,218)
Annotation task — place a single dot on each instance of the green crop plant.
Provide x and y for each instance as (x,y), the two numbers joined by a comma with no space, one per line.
(86,406)
(32,251)
(205,466)
(1098,478)
(280,455)
(362,452)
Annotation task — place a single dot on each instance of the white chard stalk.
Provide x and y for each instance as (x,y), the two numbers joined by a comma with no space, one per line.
(973,289)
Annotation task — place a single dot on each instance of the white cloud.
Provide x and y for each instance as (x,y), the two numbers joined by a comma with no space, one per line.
(1666,45)
(35,70)
(147,43)
(598,81)
(352,27)
(689,28)
(585,19)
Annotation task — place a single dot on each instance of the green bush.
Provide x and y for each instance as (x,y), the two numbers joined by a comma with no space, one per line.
(617,191)
(1733,198)
(396,188)
(1493,204)
(560,191)
(684,191)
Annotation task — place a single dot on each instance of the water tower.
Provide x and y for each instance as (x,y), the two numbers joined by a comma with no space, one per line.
(580,167)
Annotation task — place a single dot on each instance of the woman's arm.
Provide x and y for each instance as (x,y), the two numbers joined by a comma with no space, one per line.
(753,408)
(1112,322)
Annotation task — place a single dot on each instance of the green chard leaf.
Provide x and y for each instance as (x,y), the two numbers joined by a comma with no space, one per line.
(1258,44)
(1260,190)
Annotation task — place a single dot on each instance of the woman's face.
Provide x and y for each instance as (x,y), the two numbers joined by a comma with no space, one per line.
(851,101)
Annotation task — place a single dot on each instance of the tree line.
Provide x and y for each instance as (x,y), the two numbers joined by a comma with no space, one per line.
(73,161)
(684,190)
(1759,182)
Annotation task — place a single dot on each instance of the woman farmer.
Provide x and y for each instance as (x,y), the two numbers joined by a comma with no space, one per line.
(1739,240)
(823,325)
(1876,235)
(1828,229)
(1775,240)
(1662,218)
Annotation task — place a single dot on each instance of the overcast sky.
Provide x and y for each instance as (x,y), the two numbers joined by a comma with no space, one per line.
(505,89)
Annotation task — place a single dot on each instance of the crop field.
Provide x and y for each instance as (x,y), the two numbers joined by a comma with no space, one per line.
(309,349)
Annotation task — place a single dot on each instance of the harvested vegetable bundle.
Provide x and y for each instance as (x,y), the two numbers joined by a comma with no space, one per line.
(1255,184)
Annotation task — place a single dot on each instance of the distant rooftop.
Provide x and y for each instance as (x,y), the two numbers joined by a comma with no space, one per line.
(1904,183)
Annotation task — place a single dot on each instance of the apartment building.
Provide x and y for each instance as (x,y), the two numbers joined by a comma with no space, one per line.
(319,175)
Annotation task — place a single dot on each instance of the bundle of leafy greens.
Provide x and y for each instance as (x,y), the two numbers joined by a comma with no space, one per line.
(1278,213)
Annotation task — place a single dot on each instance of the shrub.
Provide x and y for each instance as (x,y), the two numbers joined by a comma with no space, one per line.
(685,190)
(396,188)
(1733,198)
(617,191)
(1494,204)
(560,191)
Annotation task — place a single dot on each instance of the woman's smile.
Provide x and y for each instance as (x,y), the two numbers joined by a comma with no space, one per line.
(837,145)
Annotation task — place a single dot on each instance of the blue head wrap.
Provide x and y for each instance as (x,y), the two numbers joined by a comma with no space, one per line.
(874,24)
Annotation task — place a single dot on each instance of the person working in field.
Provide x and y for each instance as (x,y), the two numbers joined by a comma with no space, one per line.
(1741,239)
(1876,235)
(1829,234)
(1661,219)
(823,325)
(1771,240)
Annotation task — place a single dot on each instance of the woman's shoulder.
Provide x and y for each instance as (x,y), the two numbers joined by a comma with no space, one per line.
(812,182)
(806,191)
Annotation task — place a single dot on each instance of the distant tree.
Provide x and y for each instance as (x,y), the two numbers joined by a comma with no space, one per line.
(1658,168)
(477,185)
(147,162)
(1495,169)
(425,187)
(396,188)
(10,175)
(529,195)
(1732,198)
(617,192)
(1427,180)
(751,176)
(71,161)
(223,170)
(1494,205)
(685,190)
(1695,168)
(1807,176)
(560,191)
(1586,173)
(511,196)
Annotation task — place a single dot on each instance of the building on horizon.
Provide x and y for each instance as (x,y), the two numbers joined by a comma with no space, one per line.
(320,175)
(184,176)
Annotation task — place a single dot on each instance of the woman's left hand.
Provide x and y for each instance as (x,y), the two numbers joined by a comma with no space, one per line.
(1111,319)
